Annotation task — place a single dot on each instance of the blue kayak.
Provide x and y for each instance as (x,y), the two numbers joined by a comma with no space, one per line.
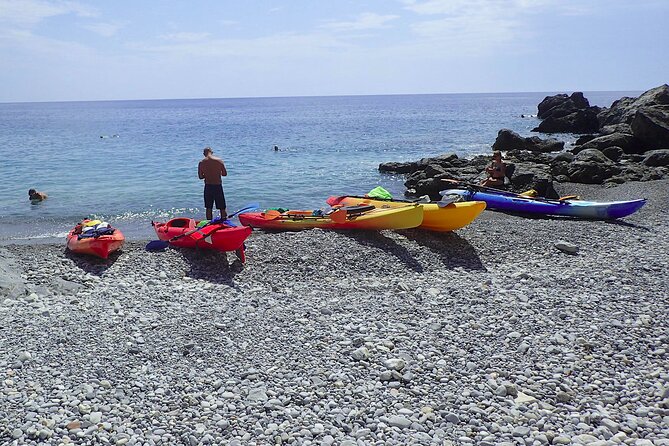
(510,202)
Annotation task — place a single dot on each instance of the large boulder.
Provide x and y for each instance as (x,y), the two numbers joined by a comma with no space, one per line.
(396,167)
(12,284)
(657,158)
(533,176)
(561,105)
(626,141)
(510,140)
(623,110)
(579,121)
(651,126)
(638,172)
(614,153)
(446,160)
(528,157)
(592,167)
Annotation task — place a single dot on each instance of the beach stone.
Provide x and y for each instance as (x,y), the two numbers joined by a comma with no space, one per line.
(360,354)
(394,364)
(566,247)
(452,418)
(521,431)
(399,421)
(257,394)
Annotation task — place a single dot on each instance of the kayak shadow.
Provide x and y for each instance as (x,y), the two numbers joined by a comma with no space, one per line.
(453,250)
(377,240)
(617,222)
(92,264)
(212,266)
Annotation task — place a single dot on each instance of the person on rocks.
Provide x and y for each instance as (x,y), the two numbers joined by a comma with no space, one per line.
(35,196)
(211,169)
(496,171)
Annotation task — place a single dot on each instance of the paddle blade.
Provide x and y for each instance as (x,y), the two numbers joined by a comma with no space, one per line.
(157,245)
(333,200)
(248,208)
(338,216)
(272,214)
(445,201)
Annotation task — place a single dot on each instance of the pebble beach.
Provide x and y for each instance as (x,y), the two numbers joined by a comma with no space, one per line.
(487,336)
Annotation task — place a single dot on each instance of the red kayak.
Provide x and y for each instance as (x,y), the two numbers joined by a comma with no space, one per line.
(94,238)
(183,232)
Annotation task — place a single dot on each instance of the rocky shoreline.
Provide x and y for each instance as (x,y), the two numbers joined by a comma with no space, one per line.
(627,142)
(487,336)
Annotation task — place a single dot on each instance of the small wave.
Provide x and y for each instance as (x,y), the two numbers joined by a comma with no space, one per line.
(38,236)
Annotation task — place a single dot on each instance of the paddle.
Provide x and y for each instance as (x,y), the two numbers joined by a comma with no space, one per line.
(561,200)
(337,216)
(159,245)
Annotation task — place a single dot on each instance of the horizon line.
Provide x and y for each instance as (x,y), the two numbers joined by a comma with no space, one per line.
(312,96)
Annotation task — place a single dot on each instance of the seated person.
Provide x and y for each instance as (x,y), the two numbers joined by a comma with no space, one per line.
(36,196)
(496,171)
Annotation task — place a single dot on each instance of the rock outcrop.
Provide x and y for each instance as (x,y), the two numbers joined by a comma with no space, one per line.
(627,142)
(510,140)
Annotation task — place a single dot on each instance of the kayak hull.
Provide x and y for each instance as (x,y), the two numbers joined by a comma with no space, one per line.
(435,218)
(405,217)
(101,246)
(571,208)
(218,236)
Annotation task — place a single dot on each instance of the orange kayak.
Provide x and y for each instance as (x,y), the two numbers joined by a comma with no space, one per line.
(98,243)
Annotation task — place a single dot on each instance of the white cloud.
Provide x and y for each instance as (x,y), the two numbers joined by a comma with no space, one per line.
(104,29)
(30,12)
(185,37)
(364,21)
(272,46)
(480,25)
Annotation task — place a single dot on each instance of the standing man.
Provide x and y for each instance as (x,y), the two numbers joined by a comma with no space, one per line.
(211,169)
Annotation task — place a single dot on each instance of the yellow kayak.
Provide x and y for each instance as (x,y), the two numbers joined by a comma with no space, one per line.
(449,218)
(375,219)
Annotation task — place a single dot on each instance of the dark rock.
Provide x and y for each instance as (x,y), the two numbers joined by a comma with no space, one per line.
(527,156)
(563,156)
(431,187)
(395,167)
(651,126)
(592,167)
(550,102)
(584,138)
(509,140)
(559,168)
(614,153)
(446,160)
(657,158)
(626,141)
(623,110)
(615,128)
(592,155)
(533,176)
(639,172)
(580,121)
(561,105)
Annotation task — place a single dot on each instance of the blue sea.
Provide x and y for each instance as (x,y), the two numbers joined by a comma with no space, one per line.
(131,162)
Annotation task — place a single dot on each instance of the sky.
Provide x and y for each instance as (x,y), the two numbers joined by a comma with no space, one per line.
(70,50)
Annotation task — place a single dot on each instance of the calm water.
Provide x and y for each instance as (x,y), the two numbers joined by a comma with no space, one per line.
(331,145)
